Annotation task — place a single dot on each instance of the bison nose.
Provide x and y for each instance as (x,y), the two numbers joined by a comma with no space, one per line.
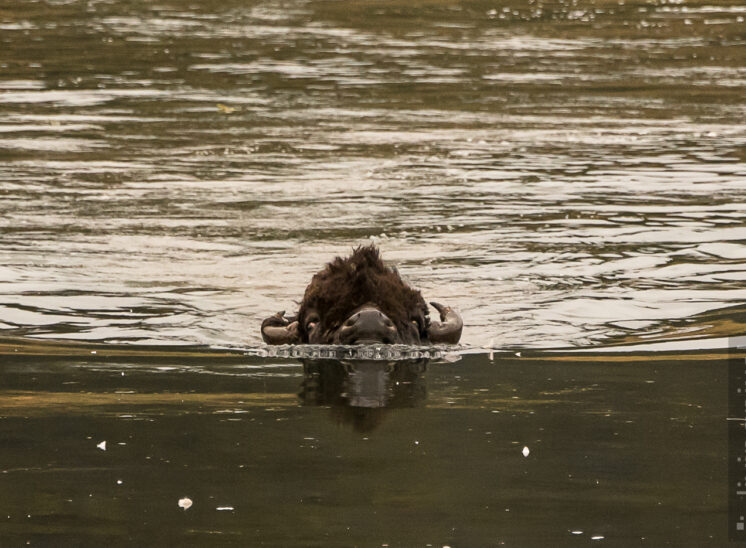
(368,326)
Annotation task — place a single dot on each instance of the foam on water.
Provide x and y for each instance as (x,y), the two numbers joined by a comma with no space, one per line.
(382,352)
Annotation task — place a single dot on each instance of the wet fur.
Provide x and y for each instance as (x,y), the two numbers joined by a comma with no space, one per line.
(346,284)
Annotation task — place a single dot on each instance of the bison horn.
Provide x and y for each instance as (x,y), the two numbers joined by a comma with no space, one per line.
(278,329)
(448,329)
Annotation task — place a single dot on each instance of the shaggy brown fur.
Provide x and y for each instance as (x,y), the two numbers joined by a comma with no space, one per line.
(346,284)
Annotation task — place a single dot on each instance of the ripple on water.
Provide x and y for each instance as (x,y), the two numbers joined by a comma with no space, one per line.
(565,177)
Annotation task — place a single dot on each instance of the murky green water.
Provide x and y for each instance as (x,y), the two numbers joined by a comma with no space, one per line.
(276,453)
(567,173)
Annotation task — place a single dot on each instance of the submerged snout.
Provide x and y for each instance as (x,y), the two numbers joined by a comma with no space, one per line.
(368,326)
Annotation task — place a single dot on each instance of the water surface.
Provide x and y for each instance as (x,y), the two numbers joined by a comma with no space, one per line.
(567,174)
(626,452)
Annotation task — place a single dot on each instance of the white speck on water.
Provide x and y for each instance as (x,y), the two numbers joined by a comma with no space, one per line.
(185,503)
(102,445)
(525,451)
(518,354)
(93,351)
(119,482)
(576,532)
(416,442)
(224,508)
(597,537)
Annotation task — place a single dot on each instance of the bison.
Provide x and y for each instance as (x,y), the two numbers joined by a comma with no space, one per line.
(360,300)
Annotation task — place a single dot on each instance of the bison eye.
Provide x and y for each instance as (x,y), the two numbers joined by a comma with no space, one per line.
(311,321)
(417,324)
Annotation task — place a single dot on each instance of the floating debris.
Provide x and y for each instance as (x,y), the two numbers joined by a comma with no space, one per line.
(576,532)
(525,451)
(185,503)
(224,508)
(102,445)
(225,109)
(597,537)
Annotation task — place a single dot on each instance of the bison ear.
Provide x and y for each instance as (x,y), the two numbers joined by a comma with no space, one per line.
(278,329)
(448,329)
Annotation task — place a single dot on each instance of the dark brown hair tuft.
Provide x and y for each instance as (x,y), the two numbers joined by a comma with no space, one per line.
(346,284)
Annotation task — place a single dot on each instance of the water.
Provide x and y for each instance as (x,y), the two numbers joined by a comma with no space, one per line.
(566,173)
(277,453)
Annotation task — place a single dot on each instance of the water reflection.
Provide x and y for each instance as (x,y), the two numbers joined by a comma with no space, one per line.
(360,392)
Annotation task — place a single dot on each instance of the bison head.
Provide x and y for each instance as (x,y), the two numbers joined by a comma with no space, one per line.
(359,300)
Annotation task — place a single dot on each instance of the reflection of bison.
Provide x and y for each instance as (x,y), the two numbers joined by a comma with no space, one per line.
(361,392)
(359,300)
